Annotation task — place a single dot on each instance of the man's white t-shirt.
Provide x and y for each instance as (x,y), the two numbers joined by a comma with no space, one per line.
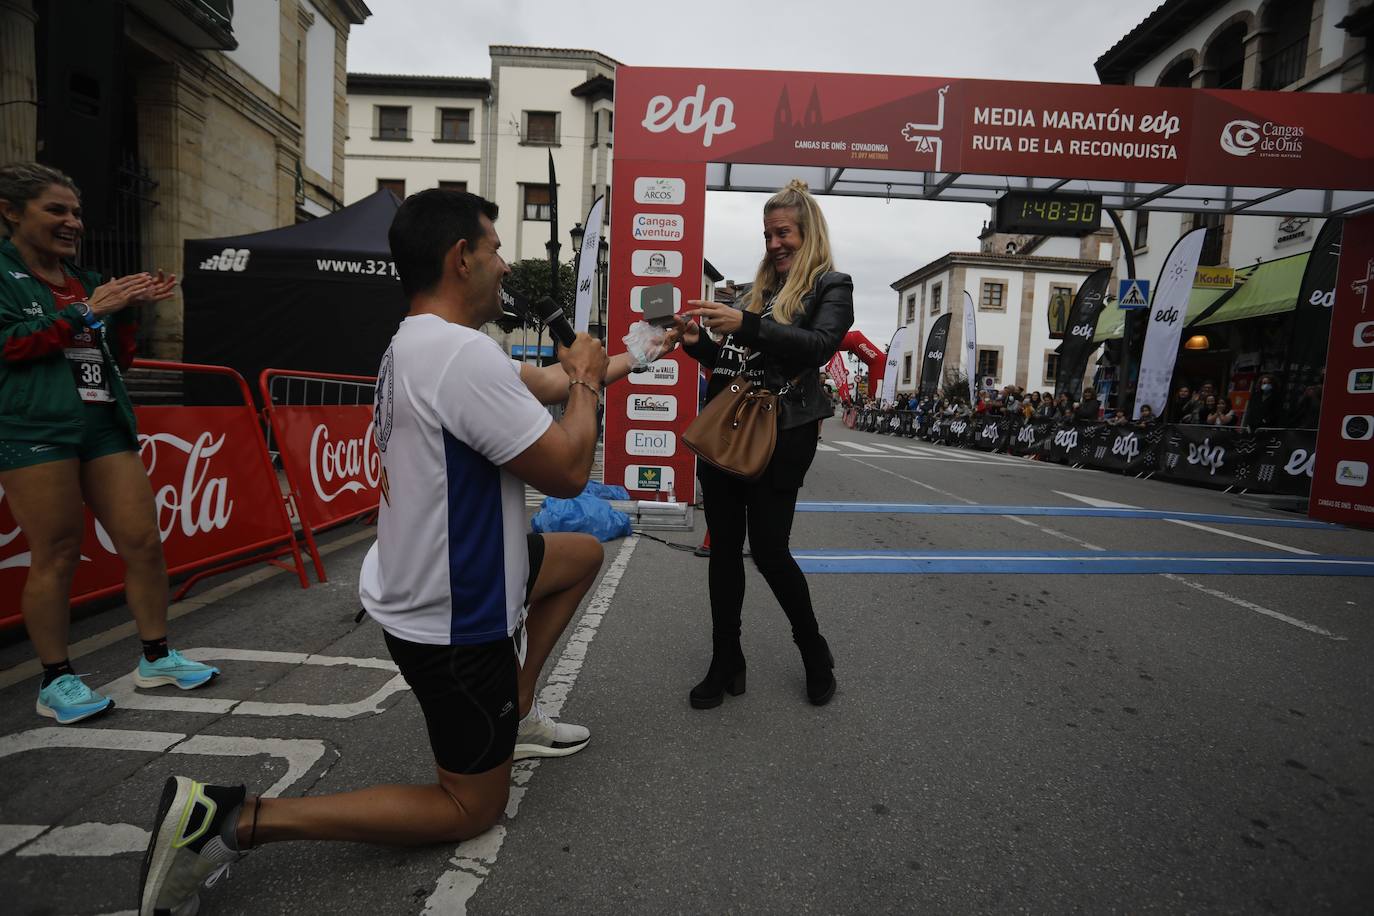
(450,561)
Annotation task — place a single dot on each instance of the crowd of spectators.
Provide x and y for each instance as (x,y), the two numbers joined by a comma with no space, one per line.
(1200,407)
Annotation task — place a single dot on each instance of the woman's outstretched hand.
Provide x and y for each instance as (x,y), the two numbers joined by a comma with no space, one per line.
(723,319)
(686,332)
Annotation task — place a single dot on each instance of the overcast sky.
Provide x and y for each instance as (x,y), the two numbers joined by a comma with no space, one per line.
(875,241)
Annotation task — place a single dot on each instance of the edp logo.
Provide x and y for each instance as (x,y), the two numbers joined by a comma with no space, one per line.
(692,114)
(1206,455)
(1066,438)
(1127,446)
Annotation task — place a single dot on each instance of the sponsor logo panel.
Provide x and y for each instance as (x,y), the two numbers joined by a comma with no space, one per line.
(659,443)
(1364,334)
(665,191)
(662,372)
(1352,473)
(647,262)
(1361,381)
(1358,427)
(658,477)
(637,298)
(1268,139)
(661,407)
(658,227)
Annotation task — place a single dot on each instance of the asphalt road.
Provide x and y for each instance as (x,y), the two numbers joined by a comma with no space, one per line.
(1018,737)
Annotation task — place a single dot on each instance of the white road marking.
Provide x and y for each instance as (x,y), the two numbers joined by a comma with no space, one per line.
(12,835)
(473,861)
(1108,504)
(123,692)
(822,447)
(89,840)
(1257,608)
(859,446)
(32,667)
(300,755)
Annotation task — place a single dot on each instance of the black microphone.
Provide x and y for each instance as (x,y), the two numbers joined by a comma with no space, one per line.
(551,313)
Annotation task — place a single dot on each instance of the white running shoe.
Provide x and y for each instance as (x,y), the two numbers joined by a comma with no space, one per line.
(540,736)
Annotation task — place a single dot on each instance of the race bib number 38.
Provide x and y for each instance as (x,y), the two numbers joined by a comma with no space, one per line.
(88,370)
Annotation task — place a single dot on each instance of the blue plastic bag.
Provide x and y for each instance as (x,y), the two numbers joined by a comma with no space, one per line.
(585,513)
(602,491)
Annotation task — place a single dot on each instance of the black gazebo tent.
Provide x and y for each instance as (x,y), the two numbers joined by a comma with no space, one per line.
(320,296)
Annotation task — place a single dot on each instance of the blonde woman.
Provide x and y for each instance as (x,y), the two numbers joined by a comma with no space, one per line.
(795,316)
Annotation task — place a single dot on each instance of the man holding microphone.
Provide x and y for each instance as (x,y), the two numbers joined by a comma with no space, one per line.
(460,428)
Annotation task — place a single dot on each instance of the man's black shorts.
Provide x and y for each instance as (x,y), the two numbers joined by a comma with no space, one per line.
(469,694)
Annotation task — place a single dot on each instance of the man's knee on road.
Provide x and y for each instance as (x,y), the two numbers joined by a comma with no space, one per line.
(479,800)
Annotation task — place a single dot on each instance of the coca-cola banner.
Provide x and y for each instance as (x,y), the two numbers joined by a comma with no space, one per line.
(995,127)
(331,459)
(212,489)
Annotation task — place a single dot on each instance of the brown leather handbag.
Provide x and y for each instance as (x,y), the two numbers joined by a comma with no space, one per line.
(737,430)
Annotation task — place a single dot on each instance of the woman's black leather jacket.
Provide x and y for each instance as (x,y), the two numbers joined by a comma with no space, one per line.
(795,351)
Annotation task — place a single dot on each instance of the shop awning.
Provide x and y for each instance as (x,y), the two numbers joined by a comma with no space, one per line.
(1263,289)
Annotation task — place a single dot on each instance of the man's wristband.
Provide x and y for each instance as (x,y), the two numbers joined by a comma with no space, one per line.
(596,393)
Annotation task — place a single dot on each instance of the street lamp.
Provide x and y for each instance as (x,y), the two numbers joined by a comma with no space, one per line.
(603,251)
(577,232)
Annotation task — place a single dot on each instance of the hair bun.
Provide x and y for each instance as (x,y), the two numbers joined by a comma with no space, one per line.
(796,184)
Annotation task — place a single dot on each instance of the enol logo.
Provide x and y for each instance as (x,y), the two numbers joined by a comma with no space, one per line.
(692,114)
(661,443)
(1240,137)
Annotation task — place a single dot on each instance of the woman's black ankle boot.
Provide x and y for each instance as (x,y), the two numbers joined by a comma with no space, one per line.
(725,674)
(819,663)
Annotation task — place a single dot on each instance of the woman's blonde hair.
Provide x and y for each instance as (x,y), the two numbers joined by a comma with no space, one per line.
(811,260)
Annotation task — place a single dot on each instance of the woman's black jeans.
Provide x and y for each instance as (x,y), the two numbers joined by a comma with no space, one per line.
(734,506)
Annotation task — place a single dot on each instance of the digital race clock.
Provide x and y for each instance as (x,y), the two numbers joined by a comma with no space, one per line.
(1049,214)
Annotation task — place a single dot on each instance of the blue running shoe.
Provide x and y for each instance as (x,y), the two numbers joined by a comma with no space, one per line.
(175,669)
(67,699)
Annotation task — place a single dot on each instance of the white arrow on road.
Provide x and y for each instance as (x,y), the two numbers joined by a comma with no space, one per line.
(1108,504)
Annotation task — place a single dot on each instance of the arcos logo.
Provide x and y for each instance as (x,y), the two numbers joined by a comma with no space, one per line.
(690,115)
(1240,137)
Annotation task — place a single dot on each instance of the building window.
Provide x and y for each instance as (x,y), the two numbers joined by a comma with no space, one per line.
(1061,303)
(541,128)
(994,296)
(1211,244)
(910,308)
(396,186)
(455,125)
(393,122)
(936,292)
(1051,376)
(606,211)
(453,185)
(1142,230)
(1283,45)
(906,369)
(537,202)
(987,364)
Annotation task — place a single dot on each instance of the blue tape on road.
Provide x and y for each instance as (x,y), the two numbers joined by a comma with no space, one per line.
(1081,511)
(908,562)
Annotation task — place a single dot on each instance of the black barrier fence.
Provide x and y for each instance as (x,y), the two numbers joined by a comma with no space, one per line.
(1265,461)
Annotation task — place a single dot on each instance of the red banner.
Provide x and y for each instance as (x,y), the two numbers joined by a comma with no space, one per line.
(331,459)
(1341,488)
(839,372)
(212,490)
(1321,140)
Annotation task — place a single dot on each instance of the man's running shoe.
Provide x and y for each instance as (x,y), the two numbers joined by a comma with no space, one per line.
(67,699)
(188,846)
(540,736)
(173,669)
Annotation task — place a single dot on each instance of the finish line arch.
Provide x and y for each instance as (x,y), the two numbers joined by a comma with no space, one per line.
(682,132)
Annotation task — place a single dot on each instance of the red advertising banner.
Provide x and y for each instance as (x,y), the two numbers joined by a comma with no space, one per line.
(331,460)
(1341,488)
(1220,137)
(646,413)
(214,495)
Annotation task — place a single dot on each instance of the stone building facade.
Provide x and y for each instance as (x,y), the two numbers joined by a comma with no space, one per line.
(222,118)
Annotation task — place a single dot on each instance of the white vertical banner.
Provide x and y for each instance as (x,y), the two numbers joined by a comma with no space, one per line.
(586,266)
(971,348)
(1168,312)
(894,359)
